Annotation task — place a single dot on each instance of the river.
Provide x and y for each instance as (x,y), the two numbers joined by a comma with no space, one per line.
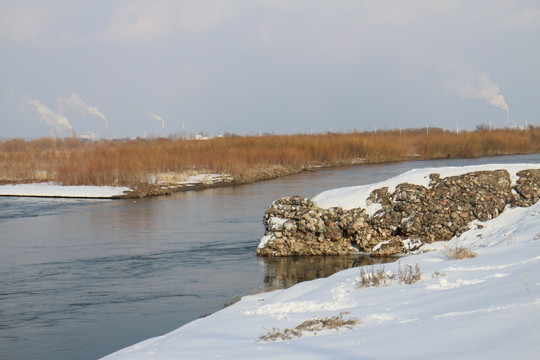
(80,279)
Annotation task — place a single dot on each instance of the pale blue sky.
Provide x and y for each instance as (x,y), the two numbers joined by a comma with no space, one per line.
(249,66)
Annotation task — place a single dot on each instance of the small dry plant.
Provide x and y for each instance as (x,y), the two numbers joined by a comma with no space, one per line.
(458,252)
(380,277)
(438,274)
(311,325)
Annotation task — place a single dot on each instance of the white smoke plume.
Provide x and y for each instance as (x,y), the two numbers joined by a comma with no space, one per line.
(156,117)
(74,102)
(56,120)
(464,81)
(159,118)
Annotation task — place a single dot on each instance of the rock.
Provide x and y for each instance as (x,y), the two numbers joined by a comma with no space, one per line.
(296,226)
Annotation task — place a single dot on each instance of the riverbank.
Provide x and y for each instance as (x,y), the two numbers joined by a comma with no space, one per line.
(430,305)
(162,166)
(52,190)
(145,189)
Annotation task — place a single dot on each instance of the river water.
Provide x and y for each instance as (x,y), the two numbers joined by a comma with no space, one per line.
(80,279)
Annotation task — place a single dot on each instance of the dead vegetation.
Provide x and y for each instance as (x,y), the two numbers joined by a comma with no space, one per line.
(311,325)
(248,159)
(380,277)
(438,274)
(458,252)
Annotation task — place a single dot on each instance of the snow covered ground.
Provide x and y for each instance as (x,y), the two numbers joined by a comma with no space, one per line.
(356,196)
(53,190)
(487,307)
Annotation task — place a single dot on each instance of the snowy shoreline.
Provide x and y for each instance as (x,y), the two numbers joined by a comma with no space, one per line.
(356,196)
(59,191)
(52,190)
(487,307)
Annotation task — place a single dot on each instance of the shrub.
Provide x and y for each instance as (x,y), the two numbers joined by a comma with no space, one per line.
(458,252)
(311,325)
(406,275)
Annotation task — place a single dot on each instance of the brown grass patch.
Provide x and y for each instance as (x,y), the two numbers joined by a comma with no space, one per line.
(458,252)
(380,277)
(311,325)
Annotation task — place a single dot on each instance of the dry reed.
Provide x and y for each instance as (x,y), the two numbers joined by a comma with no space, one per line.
(380,277)
(458,252)
(130,162)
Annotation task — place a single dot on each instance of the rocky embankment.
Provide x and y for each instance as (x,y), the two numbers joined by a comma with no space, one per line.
(407,218)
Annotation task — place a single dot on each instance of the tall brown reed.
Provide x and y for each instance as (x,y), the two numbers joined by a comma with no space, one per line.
(128,162)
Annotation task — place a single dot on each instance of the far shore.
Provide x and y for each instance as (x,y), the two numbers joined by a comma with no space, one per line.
(51,190)
(155,167)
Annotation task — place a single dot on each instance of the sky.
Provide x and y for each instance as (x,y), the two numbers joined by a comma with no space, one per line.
(137,68)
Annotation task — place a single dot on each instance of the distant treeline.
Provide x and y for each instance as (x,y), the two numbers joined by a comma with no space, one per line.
(129,162)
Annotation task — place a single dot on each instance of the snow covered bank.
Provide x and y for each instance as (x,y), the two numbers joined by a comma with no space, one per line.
(487,307)
(52,190)
(356,196)
(106,192)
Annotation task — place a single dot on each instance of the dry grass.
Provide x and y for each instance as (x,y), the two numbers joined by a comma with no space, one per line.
(458,252)
(248,159)
(311,325)
(438,274)
(380,277)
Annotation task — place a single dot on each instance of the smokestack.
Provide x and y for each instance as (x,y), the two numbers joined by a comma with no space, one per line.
(159,118)
(508,117)
(183,131)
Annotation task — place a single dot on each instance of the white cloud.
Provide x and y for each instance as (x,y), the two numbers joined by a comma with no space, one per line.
(204,15)
(22,21)
(143,21)
(348,30)
(528,19)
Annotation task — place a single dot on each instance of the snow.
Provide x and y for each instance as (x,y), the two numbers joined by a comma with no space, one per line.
(356,196)
(207,179)
(487,307)
(53,190)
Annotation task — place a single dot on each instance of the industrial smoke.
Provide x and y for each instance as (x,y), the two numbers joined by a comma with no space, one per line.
(463,80)
(158,118)
(55,120)
(74,102)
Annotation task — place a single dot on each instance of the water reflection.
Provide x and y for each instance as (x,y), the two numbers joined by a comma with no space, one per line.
(284,272)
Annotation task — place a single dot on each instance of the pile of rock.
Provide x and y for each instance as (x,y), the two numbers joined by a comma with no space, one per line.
(409,216)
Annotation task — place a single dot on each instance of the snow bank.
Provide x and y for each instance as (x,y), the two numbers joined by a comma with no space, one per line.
(52,190)
(486,307)
(356,196)
(207,179)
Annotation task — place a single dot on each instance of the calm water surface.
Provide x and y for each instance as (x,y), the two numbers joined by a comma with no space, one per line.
(80,279)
